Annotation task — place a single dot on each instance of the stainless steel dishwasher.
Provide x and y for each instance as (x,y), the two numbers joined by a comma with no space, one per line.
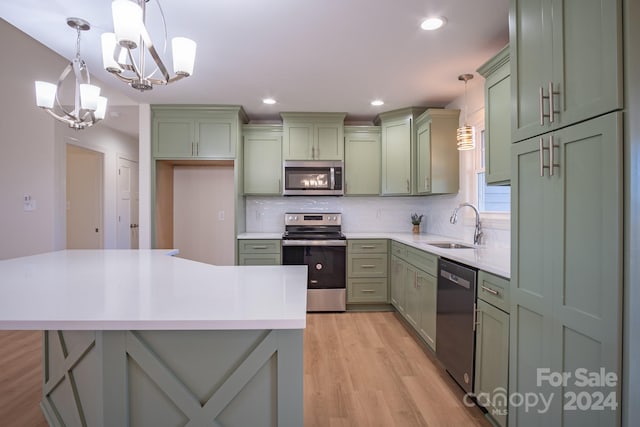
(455,320)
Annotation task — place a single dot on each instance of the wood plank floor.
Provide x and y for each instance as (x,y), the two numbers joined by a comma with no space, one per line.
(360,369)
(366,369)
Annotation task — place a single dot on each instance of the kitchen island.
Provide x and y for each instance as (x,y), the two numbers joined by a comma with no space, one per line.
(141,338)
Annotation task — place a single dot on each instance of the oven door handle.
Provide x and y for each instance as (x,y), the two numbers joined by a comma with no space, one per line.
(314,243)
(332,184)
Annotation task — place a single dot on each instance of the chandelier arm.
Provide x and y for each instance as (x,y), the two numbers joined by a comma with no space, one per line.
(61,79)
(59,118)
(156,58)
(121,77)
(134,67)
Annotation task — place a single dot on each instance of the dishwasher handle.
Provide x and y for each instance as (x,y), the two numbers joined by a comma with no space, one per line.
(455,279)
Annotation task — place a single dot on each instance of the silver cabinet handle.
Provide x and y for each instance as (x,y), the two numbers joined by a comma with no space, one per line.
(368,266)
(541,100)
(367,291)
(367,247)
(491,291)
(475,316)
(541,151)
(552,110)
(259,247)
(552,163)
(313,152)
(407,185)
(193,149)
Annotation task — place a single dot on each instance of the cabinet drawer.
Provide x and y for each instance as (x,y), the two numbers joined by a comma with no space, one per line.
(399,250)
(425,261)
(259,246)
(494,290)
(367,246)
(367,290)
(367,265)
(259,259)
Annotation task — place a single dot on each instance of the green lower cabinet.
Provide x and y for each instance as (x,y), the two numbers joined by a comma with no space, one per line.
(428,295)
(367,271)
(492,361)
(566,276)
(259,252)
(412,294)
(399,271)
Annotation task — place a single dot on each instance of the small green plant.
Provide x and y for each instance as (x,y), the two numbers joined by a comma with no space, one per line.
(416,219)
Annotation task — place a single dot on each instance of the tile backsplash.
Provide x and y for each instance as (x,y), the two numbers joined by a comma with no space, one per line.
(378,214)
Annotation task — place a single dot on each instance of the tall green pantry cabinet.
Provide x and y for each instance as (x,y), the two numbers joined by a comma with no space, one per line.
(566,183)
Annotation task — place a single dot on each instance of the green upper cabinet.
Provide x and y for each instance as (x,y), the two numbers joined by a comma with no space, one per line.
(362,160)
(565,58)
(262,148)
(313,136)
(209,132)
(566,276)
(398,147)
(497,118)
(436,154)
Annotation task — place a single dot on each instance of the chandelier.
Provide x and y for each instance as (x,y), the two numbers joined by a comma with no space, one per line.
(130,33)
(89,107)
(465,134)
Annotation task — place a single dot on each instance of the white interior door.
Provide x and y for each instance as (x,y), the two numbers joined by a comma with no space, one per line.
(203,213)
(128,196)
(84,198)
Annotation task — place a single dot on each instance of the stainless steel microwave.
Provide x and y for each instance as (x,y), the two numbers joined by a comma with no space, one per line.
(313,178)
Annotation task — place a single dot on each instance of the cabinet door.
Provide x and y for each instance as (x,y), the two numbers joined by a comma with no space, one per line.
(328,142)
(587,59)
(398,277)
(530,42)
(396,157)
(566,280)
(362,163)
(262,163)
(259,259)
(297,141)
(412,302)
(215,138)
(423,161)
(173,138)
(492,359)
(427,289)
(497,151)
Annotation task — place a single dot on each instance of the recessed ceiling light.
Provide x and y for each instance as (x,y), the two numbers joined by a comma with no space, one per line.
(434,23)
(269,101)
(377,102)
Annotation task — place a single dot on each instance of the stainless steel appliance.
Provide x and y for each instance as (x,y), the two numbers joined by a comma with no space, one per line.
(313,178)
(455,321)
(316,240)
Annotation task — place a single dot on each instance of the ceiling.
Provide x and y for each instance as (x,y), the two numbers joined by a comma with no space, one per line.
(310,55)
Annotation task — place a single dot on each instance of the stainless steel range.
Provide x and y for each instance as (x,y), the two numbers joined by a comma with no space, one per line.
(316,240)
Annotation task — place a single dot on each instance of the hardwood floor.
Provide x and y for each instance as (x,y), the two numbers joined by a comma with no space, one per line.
(365,369)
(360,369)
(21,379)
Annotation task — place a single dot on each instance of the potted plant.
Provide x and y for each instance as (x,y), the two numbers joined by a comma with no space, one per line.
(416,220)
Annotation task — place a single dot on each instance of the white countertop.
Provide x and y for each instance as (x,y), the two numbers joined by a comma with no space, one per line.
(147,289)
(493,260)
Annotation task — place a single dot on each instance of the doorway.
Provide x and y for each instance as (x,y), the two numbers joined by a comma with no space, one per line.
(127,204)
(84,196)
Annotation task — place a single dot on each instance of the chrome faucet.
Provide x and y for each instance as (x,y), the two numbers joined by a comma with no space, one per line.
(477,235)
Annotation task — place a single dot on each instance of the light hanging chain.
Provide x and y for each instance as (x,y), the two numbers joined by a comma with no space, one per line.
(88,107)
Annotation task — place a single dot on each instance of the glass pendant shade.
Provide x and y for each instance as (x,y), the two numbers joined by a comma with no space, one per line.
(127,22)
(102,108)
(89,97)
(184,55)
(109,45)
(45,94)
(466,138)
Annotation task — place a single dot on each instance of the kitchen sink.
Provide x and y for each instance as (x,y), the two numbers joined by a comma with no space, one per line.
(450,245)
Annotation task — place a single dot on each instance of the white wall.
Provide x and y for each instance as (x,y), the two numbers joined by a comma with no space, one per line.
(31,151)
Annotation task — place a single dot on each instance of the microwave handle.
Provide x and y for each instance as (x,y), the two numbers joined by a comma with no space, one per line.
(332,178)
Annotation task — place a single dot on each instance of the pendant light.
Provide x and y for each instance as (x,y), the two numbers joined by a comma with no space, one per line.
(88,107)
(465,134)
(130,33)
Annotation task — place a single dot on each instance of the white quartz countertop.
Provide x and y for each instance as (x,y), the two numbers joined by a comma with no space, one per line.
(492,260)
(147,289)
